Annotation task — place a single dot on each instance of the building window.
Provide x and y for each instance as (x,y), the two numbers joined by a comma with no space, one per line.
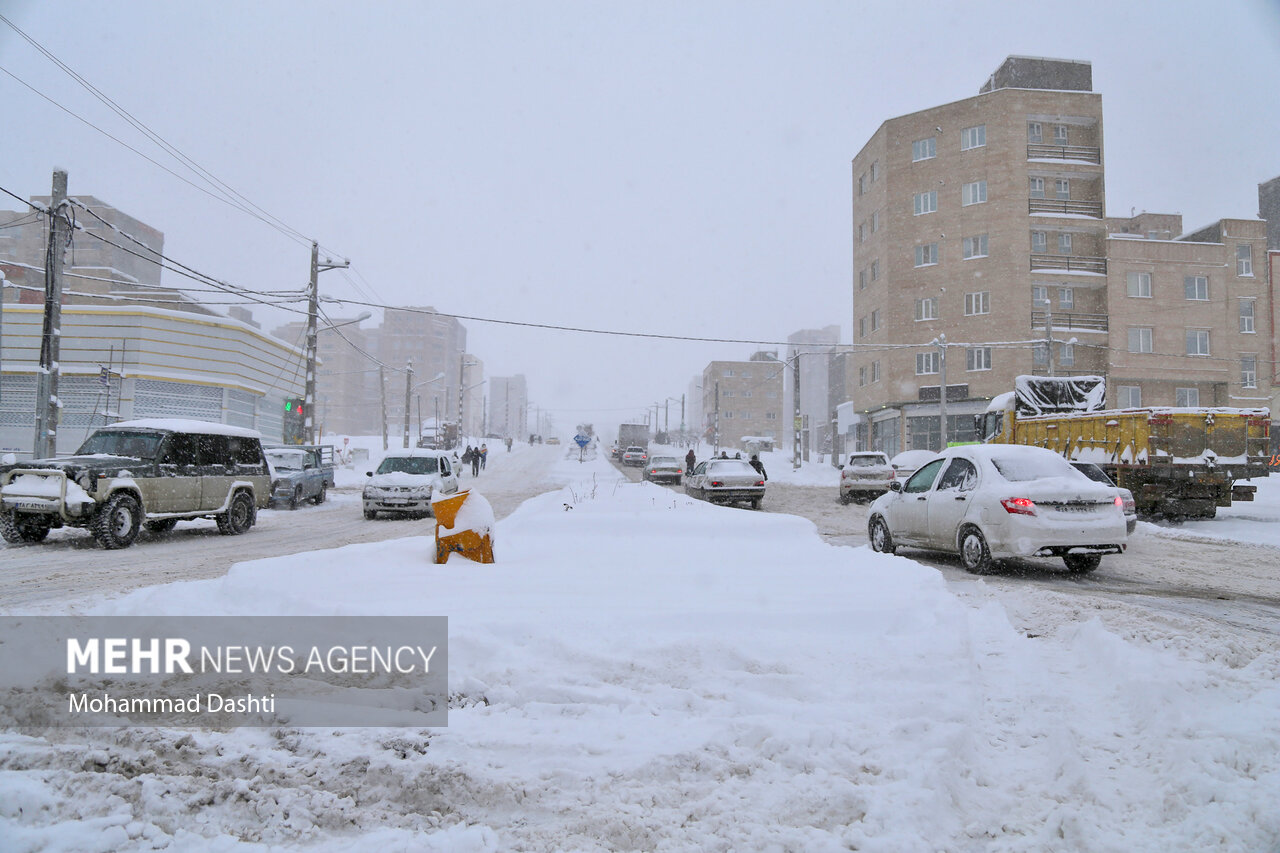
(1246,316)
(875,319)
(1062,187)
(1140,339)
(977,358)
(926,255)
(875,371)
(862,231)
(973,137)
(1067,355)
(1197,341)
(926,363)
(975,247)
(1129,397)
(1066,298)
(927,309)
(925,202)
(726,393)
(1196,287)
(862,376)
(875,270)
(875,221)
(875,170)
(1138,284)
(1039,295)
(1040,354)
(1064,244)
(1187,398)
(1039,242)
(728,374)
(1249,371)
(974,193)
(1034,132)
(862,279)
(924,149)
(1244,259)
(862,183)
(746,393)
(1059,134)
(1037,187)
(977,303)
(727,415)
(770,416)
(862,327)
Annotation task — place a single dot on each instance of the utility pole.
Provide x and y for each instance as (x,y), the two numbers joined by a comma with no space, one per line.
(798,428)
(462,390)
(408,389)
(1048,332)
(715,434)
(382,386)
(313,312)
(941,342)
(47,403)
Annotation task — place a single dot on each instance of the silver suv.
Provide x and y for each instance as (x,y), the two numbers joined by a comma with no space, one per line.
(154,471)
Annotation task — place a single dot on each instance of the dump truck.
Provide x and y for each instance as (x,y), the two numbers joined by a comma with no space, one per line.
(1178,462)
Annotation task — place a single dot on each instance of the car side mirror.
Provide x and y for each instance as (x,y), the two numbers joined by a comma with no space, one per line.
(895,486)
(841,467)
(368,473)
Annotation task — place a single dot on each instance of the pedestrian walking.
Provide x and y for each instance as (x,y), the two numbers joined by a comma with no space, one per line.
(484,455)
(690,460)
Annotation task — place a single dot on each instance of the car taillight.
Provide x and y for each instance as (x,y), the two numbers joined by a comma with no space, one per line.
(679,470)
(1120,503)
(759,482)
(653,470)
(716,483)
(1019,506)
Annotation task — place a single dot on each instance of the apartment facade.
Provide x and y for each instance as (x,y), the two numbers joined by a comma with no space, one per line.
(742,399)
(813,347)
(982,251)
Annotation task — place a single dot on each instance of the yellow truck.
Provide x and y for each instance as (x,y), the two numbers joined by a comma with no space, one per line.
(1178,462)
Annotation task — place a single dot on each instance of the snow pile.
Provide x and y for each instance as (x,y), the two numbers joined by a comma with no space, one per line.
(644,671)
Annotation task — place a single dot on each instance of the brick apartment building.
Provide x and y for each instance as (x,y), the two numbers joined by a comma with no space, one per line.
(982,251)
(742,398)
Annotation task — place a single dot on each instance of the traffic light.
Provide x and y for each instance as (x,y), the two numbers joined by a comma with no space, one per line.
(295,421)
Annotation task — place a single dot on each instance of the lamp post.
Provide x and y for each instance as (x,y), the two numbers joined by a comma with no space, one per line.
(463,364)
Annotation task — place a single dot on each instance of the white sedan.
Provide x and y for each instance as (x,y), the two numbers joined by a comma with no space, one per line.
(991,502)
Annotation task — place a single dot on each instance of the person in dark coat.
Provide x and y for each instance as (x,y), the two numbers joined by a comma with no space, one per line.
(475,461)
(468,455)
(758,465)
(690,460)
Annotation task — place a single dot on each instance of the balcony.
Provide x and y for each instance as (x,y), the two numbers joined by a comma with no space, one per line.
(1065,205)
(1081,153)
(1065,320)
(1070,263)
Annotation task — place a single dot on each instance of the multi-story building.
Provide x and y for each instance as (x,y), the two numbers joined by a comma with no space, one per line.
(982,251)
(508,406)
(742,398)
(814,348)
(348,399)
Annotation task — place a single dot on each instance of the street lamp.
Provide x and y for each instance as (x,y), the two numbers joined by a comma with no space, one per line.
(463,364)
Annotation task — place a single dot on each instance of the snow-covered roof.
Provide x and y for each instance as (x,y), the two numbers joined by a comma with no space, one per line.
(185,425)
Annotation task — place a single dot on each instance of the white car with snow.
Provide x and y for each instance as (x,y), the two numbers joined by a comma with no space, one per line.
(865,475)
(992,502)
(406,480)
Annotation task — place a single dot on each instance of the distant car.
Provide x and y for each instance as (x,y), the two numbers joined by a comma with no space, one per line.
(908,462)
(405,481)
(865,476)
(635,456)
(553,440)
(991,502)
(1093,472)
(664,469)
(725,481)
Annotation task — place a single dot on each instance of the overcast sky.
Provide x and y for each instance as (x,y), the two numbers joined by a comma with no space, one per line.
(671,167)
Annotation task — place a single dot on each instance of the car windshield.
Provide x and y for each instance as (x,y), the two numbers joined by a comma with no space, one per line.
(408,465)
(867,461)
(287,460)
(1093,472)
(663,460)
(635,450)
(730,466)
(1023,467)
(139,445)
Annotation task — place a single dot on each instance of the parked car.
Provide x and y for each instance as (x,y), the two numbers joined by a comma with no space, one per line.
(991,502)
(864,476)
(635,456)
(1093,472)
(725,481)
(908,462)
(152,471)
(664,469)
(405,481)
(553,440)
(297,475)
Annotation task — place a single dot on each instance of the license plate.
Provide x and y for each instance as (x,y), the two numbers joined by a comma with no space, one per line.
(395,502)
(28,504)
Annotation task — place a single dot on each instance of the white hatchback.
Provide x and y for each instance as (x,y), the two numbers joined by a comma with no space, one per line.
(991,502)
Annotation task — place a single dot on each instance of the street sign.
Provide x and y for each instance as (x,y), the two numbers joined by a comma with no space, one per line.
(581,440)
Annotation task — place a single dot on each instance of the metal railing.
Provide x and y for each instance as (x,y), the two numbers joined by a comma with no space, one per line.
(1070,320)
(1065,205)
(1087,153)
(1070,263)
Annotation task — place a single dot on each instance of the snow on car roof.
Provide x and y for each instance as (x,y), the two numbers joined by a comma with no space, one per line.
(415,451)
(185,425)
